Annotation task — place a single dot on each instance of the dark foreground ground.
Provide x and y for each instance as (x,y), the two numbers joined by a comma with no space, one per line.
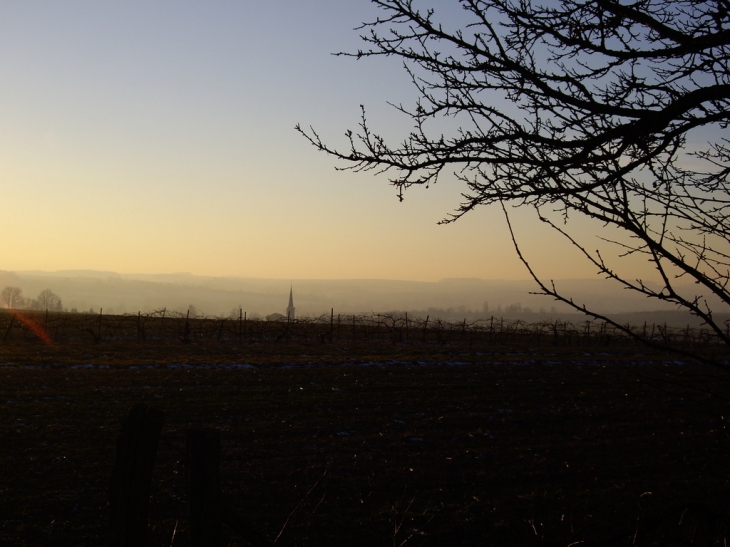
(390,445)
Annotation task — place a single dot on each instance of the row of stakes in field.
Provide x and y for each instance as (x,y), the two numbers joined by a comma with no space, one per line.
(131,481)
(331,327)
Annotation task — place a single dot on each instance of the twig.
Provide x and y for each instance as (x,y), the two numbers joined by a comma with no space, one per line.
(174,531)
(298,505)
(319,503)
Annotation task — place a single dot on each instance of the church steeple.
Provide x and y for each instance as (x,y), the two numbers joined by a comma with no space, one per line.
(290,308)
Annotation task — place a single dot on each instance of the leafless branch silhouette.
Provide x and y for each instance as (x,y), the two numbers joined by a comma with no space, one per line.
(609,110)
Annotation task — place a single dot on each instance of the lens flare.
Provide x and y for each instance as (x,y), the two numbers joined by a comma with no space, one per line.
(34,327)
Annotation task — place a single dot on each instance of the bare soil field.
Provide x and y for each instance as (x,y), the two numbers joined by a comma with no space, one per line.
(375,444)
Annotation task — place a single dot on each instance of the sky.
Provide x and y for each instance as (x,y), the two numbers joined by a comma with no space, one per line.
(158,137)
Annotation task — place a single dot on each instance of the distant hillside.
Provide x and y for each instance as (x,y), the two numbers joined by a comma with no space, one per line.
(128,293)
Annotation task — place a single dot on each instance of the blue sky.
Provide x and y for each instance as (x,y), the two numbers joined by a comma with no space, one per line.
(159,137)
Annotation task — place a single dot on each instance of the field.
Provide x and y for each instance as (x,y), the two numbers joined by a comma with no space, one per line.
(374,442)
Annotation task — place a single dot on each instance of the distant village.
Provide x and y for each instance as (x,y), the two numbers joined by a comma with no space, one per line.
(265,299)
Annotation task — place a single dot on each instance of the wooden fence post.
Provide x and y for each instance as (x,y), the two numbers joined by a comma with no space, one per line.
(220,329)
(129,490)
(186,333)
(240,324)
(204,492)
(162,324)
(140,330)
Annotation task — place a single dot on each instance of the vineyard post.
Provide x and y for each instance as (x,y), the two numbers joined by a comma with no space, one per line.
(99,325)
(139,316)
(425,327)
(186,333)
(406,327)
(353,327)
(240,324)
(162,323)
(332,323)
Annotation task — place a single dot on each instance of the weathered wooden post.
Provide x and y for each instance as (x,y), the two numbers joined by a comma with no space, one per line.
(204,492)
(129,490)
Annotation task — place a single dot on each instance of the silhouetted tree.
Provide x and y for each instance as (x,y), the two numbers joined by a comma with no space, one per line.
(612,110)
(11,297)
(48,300)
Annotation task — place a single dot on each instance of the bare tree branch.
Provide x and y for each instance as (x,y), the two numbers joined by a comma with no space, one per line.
(579,107)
